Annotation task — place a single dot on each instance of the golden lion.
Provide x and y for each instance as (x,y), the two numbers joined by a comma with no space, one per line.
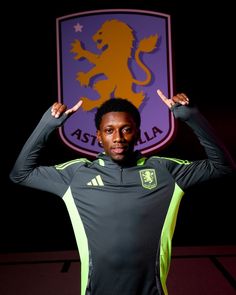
(115,40)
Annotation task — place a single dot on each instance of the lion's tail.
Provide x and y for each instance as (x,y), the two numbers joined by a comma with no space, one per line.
(145,45)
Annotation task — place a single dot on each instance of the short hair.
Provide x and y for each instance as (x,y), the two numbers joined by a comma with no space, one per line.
(117,105)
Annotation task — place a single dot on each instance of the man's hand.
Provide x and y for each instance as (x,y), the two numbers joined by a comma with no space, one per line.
(178,98)
(58,109)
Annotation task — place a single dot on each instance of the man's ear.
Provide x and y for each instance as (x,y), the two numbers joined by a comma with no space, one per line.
(138,135)
(98,135)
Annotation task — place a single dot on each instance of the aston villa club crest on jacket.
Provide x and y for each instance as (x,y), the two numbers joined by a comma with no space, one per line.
(115,53)
(148,178)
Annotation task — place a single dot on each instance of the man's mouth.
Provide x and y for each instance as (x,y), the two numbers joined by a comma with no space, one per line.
(119,149)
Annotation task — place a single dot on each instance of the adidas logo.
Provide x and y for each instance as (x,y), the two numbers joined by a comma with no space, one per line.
(96,181)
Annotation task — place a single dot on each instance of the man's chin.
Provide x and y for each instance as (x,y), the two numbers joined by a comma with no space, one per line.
(122,159)
(118,158)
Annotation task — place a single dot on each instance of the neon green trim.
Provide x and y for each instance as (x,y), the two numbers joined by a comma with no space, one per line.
(141,161)
(101,162)
(81,238)
(167,235)
(179,161)
(66,164)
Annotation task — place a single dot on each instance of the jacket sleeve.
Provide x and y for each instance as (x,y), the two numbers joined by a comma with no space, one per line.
(218,161)
(27,170)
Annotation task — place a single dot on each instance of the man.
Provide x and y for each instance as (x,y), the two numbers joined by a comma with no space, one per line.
(123,206)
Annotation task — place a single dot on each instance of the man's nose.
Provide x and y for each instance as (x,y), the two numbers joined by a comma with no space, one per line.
(118,136)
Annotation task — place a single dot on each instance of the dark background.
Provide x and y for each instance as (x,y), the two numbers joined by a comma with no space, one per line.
(203,41)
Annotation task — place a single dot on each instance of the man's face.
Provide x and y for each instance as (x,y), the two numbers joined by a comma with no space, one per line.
(118,134)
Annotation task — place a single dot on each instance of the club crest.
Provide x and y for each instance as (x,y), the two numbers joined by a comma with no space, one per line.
(148,178)
(115,53)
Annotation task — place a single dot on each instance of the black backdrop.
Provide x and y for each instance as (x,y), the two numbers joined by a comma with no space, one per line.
(204,63)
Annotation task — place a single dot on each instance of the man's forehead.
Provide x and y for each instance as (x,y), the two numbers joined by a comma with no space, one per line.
(112,118)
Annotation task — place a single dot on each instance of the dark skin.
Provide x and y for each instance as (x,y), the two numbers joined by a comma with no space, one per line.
(118,132)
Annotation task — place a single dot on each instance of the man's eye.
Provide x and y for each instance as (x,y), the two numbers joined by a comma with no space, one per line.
(127,130)
(108,131)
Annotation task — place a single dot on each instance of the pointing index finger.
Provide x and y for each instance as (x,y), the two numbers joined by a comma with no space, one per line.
(166,100)
(74,108)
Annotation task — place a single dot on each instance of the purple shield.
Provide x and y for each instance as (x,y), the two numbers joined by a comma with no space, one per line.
(115,53)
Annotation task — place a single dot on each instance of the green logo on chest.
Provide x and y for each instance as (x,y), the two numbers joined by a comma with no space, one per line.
(148,178)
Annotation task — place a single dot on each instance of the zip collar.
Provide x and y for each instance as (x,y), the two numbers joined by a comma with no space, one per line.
(136,159)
